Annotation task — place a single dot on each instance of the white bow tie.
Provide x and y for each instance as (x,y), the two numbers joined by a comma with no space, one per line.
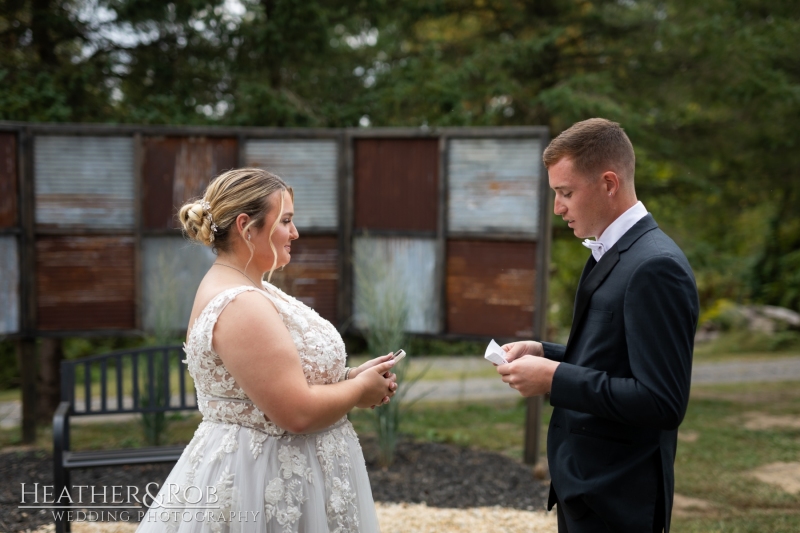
(597,248)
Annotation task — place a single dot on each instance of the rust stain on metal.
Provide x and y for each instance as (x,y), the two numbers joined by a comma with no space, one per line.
(312,276)
(490,287)
(307,165)
(396,184)
(176,169)
(84,182)
(8,180)
(85,283)
(493,185)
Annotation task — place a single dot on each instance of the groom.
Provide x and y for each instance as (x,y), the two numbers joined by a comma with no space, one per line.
(621,384)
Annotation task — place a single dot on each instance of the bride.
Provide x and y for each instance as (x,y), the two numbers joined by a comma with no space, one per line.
(275,451)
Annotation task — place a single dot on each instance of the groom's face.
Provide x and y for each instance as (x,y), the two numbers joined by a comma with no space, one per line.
(580,200)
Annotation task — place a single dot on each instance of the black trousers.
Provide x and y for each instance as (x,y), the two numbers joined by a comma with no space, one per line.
(589,523)
(592,523)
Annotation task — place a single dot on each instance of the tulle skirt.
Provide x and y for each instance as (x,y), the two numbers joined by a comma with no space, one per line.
(236,479)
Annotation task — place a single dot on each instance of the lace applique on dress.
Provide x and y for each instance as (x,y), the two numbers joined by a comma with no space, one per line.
(332,451)
(228,497)
(219,397)
(197,445)
(341,508)
(284,495)
(257,439)
(229,444)
(282,501)
(318,342)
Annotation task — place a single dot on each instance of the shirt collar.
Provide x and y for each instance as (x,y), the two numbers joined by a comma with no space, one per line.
(616,230)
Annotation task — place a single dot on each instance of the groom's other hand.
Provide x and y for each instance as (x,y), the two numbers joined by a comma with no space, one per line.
(515,350)
(530,375)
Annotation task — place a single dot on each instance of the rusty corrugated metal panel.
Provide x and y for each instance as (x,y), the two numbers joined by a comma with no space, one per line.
(85,283)
(309,167)
(490,288)
(172,268)
(8,180)
(9,285)
(312,276)
(400,266)
(176,169)
(396,184)
(84,182)
(493,185)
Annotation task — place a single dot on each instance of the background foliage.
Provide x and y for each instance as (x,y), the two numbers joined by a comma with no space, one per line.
(708,90)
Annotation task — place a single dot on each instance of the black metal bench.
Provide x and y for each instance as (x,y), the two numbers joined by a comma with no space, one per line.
(141,382)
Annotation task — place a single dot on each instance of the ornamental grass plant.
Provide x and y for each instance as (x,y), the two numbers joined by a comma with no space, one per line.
(164,309)
(382,312)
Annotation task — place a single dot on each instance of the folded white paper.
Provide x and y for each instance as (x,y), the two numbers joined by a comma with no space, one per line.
(495,354)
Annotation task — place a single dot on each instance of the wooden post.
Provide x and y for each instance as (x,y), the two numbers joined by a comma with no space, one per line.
(441,234)
(138,195)
(27,343)
(51,353)
(533,418)
(346,183)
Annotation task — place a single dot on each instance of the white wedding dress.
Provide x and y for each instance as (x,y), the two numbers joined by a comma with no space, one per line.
(262,478)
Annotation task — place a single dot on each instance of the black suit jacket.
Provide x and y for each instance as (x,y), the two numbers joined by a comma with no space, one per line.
(623,385)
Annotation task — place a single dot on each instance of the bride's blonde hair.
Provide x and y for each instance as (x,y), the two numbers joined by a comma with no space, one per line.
(209,220)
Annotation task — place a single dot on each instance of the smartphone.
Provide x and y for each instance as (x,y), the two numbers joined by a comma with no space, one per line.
(398,355)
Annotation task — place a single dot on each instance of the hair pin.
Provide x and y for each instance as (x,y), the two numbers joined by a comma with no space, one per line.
(207,207)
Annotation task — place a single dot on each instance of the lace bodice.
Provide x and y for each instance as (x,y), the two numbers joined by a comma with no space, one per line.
(219,397)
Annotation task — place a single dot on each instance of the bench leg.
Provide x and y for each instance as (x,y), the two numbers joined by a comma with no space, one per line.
(62,480)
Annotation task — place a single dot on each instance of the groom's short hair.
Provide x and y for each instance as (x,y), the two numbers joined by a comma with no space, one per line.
(594,146)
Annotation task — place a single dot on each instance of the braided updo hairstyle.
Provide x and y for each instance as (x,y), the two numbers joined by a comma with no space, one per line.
(210,220)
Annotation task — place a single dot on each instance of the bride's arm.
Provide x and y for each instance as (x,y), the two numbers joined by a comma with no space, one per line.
(258,351)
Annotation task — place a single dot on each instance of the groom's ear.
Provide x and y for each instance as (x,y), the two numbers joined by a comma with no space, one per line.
(610,182)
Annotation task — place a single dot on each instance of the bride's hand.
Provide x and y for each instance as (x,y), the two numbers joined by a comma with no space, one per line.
(379,384)
(389,375)
(369,364)
(515,350)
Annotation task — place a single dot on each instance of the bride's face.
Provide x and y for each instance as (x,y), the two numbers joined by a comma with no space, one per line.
(285,232)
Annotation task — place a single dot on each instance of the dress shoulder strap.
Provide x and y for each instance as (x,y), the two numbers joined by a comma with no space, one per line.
(203,328)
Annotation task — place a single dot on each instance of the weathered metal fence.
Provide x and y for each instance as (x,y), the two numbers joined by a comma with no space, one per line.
(90,245)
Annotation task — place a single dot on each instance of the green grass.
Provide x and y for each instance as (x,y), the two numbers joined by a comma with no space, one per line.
(108,435)
(498,427)
(9,395)
(127,380)
(714,466)
(715,451)
(743,345)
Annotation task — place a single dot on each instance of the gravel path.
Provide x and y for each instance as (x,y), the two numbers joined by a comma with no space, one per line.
(406,518)
(783,369)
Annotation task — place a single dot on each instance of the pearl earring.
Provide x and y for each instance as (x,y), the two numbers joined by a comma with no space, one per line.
(248,235)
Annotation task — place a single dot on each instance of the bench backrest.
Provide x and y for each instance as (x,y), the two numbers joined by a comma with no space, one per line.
(143,380)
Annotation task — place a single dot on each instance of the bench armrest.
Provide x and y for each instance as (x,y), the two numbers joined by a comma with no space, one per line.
(61,429)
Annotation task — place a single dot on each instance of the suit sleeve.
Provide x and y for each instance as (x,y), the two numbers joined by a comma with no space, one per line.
(553,351)
(660,319)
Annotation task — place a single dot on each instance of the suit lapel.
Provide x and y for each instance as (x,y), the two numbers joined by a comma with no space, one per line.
(592,278)
(590,282)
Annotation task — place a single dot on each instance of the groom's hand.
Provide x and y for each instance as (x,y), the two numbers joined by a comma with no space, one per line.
(515,350)
(531,376)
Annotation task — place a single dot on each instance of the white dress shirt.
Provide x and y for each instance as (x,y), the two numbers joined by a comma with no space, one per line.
(616,230)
